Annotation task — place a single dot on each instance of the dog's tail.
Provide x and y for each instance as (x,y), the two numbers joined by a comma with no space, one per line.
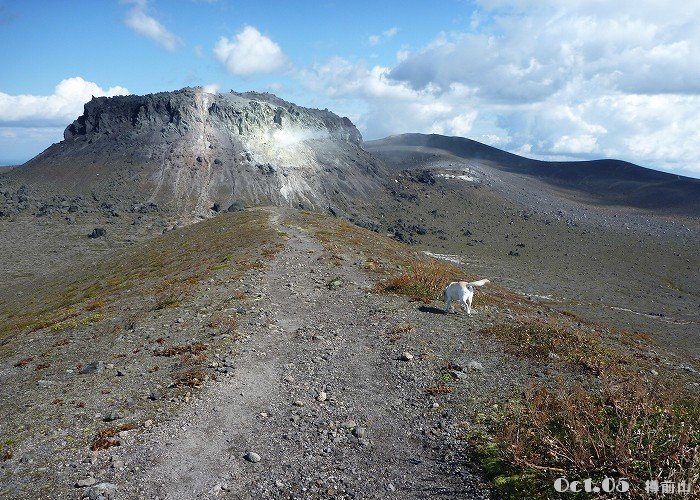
(478,283)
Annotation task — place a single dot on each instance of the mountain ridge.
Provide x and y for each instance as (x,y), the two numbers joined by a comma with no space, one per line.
(191,152)
(605,181)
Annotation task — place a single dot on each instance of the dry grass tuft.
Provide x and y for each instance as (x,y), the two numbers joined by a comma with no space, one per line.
(106,438)
(52,321)
(23,362)
(192,349)
(224,323)
(270,252)
(403,328)
(438,389)
(97,304)
(194,378)
(75,322)
(399,330)
(629,428)
(542,340)
(168,299)
(425,281)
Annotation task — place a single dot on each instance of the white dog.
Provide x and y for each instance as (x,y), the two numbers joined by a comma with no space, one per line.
(462,292)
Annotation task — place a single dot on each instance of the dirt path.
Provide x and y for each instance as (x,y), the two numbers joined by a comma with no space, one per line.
(318,394)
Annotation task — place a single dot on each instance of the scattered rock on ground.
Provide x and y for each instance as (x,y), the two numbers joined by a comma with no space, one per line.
(102,491)
(98,232)
(475,366)
(88,481)
(112,415)
(94,367)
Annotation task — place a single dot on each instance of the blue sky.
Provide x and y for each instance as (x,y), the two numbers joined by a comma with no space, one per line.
(550,79)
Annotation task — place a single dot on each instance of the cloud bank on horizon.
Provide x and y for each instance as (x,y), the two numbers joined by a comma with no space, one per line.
(581,79)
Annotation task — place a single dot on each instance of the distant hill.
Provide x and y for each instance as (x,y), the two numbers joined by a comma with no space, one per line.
(612,182)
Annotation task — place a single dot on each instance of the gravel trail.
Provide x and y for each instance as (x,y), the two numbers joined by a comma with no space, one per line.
(319,403)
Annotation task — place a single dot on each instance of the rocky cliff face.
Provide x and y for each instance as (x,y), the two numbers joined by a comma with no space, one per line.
(175,114)
(189,150)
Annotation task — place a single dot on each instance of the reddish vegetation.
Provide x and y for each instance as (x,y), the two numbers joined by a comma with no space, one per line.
(438,390)
(106,438)
(625,429)
(23,362)
(193,349)
(190,378)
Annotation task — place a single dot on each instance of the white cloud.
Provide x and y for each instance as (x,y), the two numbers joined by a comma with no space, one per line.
(140,21)
(524,150)
(582,78)
(28,123)
(576,144)
(59,108)
(251,52)
(390,107)
(460,125)
(383,37)
(493,140)
(652,130)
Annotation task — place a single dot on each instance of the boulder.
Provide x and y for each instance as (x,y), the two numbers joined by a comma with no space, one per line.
(98,232)
(236,206)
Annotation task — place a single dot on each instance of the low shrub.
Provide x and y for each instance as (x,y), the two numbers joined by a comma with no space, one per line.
(438,389)
(625,429)
(107,438)
(542,340)
(190,378)
(425,280)
(193,349)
